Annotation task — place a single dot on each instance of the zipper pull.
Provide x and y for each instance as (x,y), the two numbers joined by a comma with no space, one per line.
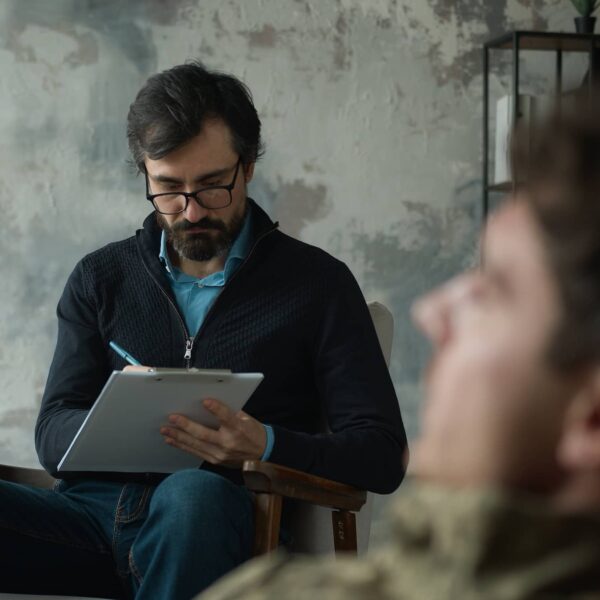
(188,349)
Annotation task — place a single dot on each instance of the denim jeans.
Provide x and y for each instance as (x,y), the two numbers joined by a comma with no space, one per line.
(100,538)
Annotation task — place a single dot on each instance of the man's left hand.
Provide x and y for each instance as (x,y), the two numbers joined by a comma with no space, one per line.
(238,438)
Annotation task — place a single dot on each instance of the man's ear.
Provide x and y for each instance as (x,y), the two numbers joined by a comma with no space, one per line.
(579,447)
(248,171)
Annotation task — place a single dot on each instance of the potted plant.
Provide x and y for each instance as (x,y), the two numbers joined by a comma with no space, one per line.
(585,23)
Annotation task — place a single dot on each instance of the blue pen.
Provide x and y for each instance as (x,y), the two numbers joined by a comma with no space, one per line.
(123,354)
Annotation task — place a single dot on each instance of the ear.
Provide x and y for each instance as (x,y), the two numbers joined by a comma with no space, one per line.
(579,447)
(248,172)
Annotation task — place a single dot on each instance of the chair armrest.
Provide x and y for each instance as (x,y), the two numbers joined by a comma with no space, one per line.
(270,478)
(35,477)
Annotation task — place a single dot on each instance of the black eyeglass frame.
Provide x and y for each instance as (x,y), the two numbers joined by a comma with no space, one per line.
(195,194)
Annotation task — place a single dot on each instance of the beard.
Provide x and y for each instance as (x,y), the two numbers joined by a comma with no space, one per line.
(204,246)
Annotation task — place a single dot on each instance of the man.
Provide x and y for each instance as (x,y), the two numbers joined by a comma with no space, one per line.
(208,282)
(507,498)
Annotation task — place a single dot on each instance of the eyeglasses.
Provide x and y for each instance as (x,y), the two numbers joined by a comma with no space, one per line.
(211,197)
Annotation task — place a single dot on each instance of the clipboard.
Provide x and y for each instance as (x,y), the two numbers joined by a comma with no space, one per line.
(121,433)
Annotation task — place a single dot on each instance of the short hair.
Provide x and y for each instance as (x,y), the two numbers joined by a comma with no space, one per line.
(173,106)
(558,167)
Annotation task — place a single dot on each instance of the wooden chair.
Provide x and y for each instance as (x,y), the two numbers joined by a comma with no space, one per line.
(271,483)
(325,519)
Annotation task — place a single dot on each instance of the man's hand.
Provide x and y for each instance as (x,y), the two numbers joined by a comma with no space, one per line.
(238,438)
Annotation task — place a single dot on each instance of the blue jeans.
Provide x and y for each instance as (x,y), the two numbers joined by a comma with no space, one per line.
(100,538)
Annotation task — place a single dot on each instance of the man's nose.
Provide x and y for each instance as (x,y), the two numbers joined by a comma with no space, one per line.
(431,315)
(436,313)
(194,211)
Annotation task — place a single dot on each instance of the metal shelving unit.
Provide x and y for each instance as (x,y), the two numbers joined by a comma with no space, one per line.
(515,42)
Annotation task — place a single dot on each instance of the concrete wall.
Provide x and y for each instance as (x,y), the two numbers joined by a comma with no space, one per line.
(372,118)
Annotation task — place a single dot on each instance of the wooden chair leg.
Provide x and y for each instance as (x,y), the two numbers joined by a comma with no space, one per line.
(344,531)
(267,515)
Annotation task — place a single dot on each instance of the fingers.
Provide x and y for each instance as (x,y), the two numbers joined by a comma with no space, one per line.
(187,443)
(195,430)
(222,454)
(217,408)
(202,454)
(238,438)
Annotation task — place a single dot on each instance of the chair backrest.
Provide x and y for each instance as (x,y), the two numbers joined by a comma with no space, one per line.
(310,525)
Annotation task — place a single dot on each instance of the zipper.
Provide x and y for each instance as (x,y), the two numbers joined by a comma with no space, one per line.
(189,340)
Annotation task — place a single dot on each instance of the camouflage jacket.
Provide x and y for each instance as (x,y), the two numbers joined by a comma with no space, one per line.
(444,544)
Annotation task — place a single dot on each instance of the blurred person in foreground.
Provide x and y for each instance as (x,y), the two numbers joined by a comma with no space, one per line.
(506,498)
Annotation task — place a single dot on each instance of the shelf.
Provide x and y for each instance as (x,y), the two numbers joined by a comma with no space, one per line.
(507,186)
(541,40)
(514,42)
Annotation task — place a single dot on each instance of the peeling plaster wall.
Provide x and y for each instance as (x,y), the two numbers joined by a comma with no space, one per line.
(372,118)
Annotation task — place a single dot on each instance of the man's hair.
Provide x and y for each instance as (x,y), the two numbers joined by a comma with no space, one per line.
(174,105)
(558,167)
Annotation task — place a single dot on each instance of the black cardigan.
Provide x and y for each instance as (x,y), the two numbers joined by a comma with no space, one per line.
(291,311)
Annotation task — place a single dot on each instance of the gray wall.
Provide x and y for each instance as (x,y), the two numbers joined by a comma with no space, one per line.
(372,118)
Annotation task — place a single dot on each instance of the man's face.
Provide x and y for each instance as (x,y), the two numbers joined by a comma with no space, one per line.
(201,234)
(494,408)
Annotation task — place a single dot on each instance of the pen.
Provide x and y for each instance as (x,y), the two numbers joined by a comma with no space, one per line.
(123,354)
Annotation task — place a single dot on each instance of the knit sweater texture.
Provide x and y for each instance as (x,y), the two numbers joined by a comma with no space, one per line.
(291,311)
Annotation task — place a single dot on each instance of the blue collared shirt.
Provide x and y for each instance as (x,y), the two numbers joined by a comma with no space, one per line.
(196,295)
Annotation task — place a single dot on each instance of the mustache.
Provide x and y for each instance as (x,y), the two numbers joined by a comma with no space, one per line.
(204,223)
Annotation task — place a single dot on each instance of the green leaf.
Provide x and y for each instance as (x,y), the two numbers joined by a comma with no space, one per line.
(585,7)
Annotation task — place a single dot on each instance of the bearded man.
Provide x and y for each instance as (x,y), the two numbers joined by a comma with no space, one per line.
(208,282)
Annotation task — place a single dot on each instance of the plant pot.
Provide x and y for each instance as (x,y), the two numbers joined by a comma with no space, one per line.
(585,24)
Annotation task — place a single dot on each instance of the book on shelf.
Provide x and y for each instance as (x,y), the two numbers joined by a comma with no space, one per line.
(528,105)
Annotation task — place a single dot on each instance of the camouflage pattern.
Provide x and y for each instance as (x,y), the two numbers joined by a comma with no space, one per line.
(445,544)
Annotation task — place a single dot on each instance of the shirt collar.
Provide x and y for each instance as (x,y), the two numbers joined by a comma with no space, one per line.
(237,254)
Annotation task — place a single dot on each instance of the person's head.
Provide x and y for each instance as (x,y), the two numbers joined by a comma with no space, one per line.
(513,389)
(190,128)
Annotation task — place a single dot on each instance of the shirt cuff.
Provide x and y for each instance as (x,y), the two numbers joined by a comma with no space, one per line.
(270,441)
